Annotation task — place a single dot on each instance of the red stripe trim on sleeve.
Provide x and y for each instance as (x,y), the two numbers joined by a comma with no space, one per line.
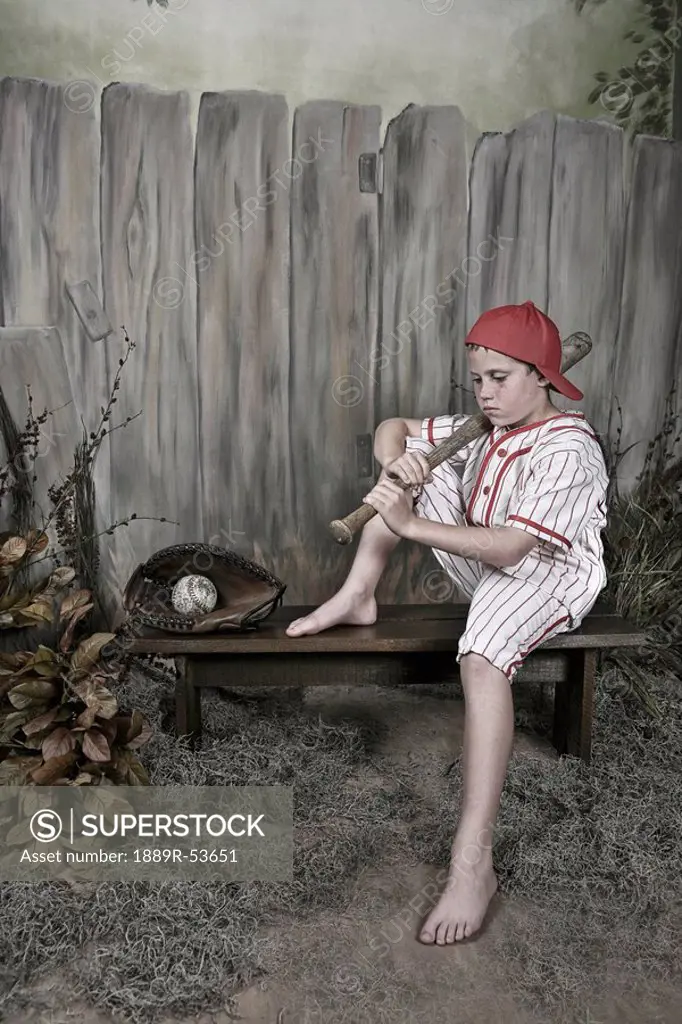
(544,529)
(430,430)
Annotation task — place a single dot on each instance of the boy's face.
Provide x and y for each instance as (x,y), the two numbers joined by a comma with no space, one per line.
(504,388)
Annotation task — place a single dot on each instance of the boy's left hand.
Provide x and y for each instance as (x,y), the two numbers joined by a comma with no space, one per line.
(393,504)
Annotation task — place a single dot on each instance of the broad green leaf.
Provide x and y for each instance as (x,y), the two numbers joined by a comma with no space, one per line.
(97,696)
(95,746)
(14,659)
(67,636)
(13,550)
(40,610)
(37,542)
(87,718)
(131,769)
(31,692)
(12,723)
(87,653)
(73,601)
(60,741)
(40,722)
(57,580)
(141,731)
(45,662)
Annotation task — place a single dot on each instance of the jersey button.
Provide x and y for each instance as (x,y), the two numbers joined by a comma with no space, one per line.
(486,490)
(501,452)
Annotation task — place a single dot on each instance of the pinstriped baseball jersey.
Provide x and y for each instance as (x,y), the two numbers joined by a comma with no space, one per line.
(549,479)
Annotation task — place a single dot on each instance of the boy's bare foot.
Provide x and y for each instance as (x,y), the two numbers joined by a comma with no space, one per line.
(462,906)
(348,607)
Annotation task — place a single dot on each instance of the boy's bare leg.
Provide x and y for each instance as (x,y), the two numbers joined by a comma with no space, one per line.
(354,602)
(488,740)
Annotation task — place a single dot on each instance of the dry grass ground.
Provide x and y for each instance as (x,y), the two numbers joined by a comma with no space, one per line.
(585,929)
(589,863)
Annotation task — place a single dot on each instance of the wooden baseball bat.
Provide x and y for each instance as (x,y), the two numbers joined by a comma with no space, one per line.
(573,349)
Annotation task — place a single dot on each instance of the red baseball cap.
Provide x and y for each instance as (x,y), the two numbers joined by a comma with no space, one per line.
(524,333)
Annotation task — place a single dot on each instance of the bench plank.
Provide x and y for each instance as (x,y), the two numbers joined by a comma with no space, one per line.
(409,612)
(407,643)
(387,634)
(283,671)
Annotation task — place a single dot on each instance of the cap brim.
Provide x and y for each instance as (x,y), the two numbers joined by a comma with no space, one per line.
(561,384)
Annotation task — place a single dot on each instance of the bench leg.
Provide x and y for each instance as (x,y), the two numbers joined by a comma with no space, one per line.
(574,704)
(187,700)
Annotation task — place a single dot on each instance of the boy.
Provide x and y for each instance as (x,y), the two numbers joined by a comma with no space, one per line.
(519,531)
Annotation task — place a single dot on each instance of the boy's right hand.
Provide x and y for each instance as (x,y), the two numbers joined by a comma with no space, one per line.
(411,467)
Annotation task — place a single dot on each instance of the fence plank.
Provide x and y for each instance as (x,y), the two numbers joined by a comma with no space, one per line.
(423,231)
(242,234)
(147,246)
(334,308)
(586,244)
(35,356)
(510,202)
(648,337)
(49,241)
(486,191)
(423,242)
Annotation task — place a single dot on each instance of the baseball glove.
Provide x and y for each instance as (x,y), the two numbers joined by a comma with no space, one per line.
(247,592)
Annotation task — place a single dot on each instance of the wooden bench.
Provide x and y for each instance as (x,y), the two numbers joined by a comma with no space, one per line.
(407,644)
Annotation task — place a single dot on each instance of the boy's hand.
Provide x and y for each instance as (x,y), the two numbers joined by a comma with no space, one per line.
(394,505)
(411,467)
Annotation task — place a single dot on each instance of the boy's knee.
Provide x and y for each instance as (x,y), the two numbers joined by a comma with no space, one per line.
(474,662)
(477,666)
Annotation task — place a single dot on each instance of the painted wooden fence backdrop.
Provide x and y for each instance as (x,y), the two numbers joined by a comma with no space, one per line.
(280,313)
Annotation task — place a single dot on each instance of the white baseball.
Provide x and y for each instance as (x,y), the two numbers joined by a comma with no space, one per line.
(193,595)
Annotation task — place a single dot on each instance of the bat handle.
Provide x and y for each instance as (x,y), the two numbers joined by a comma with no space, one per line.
(574,348)
(343,529)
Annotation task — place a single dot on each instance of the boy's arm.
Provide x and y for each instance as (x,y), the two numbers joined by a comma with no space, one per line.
(389,440)
(414,427)
(390,435)
(564,490)
(499,546)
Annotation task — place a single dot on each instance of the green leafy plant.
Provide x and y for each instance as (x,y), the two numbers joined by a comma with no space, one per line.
(60,723)
(639,95)
(643,555)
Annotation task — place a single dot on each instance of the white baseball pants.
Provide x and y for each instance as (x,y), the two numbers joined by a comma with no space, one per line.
(507,617)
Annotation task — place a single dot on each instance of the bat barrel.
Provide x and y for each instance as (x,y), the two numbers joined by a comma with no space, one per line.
(574,349)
